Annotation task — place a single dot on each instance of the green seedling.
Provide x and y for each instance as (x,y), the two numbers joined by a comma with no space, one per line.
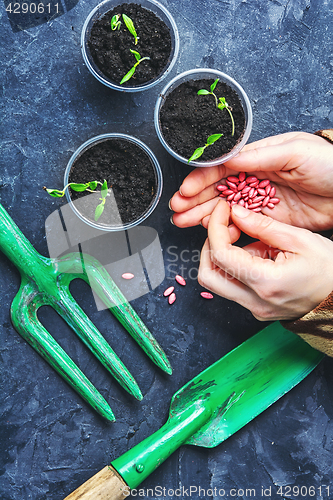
(115,23)
(130,26)
(132,70)
(199,151)
(222,104)
(88,186)
(212,88)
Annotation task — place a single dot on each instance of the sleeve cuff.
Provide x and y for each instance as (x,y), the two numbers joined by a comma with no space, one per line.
(316,327)
(326,134)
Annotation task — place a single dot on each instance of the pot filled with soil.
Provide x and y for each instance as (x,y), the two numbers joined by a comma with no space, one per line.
(129,46)
(113,182)
(203,117)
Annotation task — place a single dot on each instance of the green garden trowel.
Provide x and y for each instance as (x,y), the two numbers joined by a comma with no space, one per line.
(211,407)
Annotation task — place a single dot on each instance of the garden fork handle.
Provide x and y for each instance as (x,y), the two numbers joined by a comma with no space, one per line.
(16,246)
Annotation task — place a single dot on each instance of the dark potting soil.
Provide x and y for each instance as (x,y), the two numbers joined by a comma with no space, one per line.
(110,50)
(127,168)
(188,119)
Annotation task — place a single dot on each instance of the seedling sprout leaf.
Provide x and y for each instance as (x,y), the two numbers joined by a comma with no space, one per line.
(213,138)
(130,26)
(93,185)
(213,85)
(128,75)
(203,92)
(223,103)
(55,193)
(115,23)
(104,189)
(99,210)
(136,54)
(78,187)
(197,153)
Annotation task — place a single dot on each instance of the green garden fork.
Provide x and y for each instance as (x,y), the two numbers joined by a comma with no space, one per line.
(45,281)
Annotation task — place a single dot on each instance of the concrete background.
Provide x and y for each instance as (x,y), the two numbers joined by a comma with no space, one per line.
(280,51)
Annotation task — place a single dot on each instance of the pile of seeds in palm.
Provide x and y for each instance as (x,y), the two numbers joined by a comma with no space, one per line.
(249,192)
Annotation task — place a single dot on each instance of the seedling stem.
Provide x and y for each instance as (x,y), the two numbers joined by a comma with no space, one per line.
(221,105)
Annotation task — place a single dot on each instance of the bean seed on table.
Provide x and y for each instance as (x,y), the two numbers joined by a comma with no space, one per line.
(172,298)
(168,291)
(180,280)
(127,276)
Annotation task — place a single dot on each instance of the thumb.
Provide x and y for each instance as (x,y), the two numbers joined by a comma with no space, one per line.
(269,231)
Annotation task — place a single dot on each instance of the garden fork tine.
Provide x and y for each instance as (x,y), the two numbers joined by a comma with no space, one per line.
(46,282)
(25,321)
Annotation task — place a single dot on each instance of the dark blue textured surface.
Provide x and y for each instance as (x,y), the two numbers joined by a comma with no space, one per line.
(51,441)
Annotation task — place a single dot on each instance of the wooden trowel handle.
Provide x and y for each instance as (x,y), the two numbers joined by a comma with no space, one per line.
(105,485)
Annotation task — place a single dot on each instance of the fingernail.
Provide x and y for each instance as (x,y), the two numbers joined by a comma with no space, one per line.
(240,211)
(180,192)
(171,220)
(169,204)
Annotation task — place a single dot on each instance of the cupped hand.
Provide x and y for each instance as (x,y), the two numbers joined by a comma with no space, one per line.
(298,164)
(284,275)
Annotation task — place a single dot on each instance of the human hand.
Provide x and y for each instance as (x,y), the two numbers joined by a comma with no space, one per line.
(284,275)
(298,164)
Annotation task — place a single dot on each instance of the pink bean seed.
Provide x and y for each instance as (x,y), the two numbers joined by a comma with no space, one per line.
(232,185)
(252,178)
(246,190)
(251,193)
(237,196)
(272,192)
(233,202)
(254,184)
(246,205)
(231,197)
(258,198)
(241,202)
(265,201)
(127,276)
(270,205)
(268,189)
(180,280)
(274,200)
(232,178)
(242,176)
(221,187)
(262,192)
(241,185)
(255,205)
(250,201)
(207,295)
(172,298)
(168,291)
(264,183)
(258,209)
(228,191)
